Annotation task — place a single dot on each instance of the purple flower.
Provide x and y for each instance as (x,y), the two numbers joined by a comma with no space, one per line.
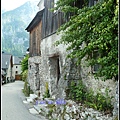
(60,102)
(43,102)
(36,103)
(50,102)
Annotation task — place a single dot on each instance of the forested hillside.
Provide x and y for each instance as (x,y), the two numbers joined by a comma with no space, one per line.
(15,39)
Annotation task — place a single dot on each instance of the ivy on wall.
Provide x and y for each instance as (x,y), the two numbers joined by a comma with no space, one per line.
(81,94)
(24,63)
(97,28)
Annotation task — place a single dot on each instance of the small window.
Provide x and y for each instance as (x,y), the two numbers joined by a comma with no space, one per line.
(95,2)
(96,67)
(58,70)
(30,66)
(92,2)
(16,66)
(16,72)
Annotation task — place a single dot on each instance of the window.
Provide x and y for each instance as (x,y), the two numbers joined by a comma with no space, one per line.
(30,66)
(92,2)
(16,72)
(16,66)
(58,70)
(96,67)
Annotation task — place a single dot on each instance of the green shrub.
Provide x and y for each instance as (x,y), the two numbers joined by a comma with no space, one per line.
(79,93)
(24,63)
(27,91)
(47,94)
(24,75)
(116,118)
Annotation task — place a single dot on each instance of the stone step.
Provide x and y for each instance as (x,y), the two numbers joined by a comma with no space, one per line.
(42,109)
(33,111)
(31,98)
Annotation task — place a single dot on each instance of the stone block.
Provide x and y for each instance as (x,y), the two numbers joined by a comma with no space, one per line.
(66,117)
(33,111)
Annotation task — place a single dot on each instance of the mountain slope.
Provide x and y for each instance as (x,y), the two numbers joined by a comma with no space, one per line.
(15,39)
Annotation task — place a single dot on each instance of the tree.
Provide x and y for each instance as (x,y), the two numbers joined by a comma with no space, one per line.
(97,28)
(24,63)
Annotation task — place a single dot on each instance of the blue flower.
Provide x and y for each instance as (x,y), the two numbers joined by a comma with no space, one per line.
(43,102)
(60,102)
(36,103)
(50,102)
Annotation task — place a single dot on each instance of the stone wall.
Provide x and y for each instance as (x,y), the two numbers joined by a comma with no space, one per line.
(116,103)
(43,69)
(47,69)
(68,69)
(48,62)
(97,84)
(34,72)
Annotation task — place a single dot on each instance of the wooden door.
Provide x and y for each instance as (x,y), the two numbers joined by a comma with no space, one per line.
(17,77)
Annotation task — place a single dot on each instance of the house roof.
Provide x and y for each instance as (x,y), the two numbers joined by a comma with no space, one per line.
(35,21)
(6,60)
(21,57)
(16,60)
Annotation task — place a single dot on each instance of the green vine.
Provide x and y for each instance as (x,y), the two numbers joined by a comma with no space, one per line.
(47,94)
(97,28)
(79,93)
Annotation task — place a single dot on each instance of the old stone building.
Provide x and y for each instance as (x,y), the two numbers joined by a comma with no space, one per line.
(48,63)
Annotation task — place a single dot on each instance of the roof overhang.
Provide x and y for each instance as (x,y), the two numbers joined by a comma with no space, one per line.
(35,21)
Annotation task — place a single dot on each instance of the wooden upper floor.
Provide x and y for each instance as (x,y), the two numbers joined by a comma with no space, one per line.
(46,22)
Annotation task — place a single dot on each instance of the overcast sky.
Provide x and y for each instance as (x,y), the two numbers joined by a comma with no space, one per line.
(12,4)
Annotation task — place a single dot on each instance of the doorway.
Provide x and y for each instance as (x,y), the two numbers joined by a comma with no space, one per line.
(55,69)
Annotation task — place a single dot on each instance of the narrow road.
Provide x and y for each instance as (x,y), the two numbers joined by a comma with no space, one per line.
(12,104)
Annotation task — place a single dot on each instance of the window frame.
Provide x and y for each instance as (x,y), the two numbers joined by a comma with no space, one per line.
(16,72)
(96,55)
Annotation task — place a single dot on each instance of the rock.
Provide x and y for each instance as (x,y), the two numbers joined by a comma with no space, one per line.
(54,115)
(25,102)
(62,109)
(33,96)
(83,115)
(70,111)
(66,117)
(30,100)
(33,111)
(91,118)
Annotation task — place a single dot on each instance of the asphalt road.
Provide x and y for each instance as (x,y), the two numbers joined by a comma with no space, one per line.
(12,104)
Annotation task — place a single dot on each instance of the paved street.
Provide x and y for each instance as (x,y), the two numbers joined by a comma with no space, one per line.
(12,104)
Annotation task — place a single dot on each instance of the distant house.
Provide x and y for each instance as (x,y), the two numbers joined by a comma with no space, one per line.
(7,64)
(16,70)
(3,76)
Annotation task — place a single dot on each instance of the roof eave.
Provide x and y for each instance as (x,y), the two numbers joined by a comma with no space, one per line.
(35,21)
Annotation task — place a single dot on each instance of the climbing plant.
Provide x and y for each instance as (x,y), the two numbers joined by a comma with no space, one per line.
(24,74)
(24,63)
(46,94)
(80,93)
(96,28)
